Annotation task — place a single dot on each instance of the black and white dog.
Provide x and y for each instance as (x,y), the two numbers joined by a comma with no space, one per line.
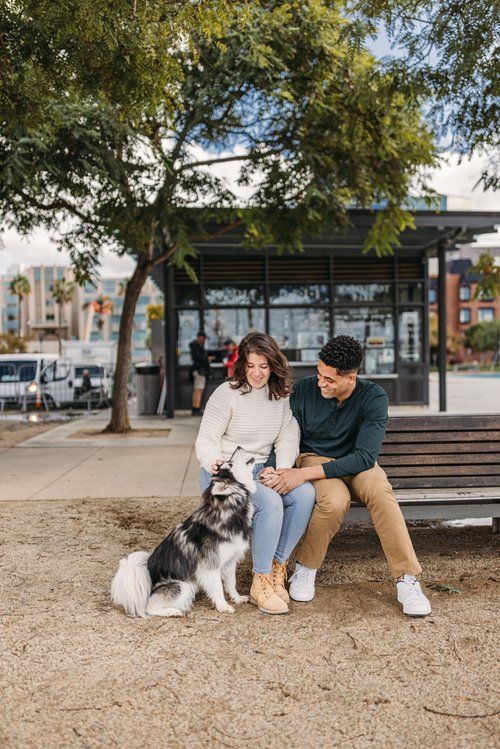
(202,552)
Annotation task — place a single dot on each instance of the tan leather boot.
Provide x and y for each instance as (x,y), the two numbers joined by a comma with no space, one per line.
(278,577)
(263,596)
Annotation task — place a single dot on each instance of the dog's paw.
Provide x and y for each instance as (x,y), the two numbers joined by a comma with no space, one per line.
(240,599)
(225,608)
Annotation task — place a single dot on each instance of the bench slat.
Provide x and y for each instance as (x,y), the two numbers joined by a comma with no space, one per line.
(482,470)
(409,437)
(430,482)
(469,459)
(439,448)
(438,422)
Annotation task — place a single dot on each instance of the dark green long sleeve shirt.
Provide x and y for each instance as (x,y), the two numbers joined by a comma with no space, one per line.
(351,432)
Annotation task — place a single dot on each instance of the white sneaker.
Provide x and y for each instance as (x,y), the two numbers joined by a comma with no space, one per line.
(410,595)
(302,583)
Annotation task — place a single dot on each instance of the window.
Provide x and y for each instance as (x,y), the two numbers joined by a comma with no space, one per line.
(230,323)
(411,292)
(294,293)
(363,292)
(189,325)
(464,293)
(17,371)
(231,295)
(300,333)
(374,329)
(410,335)
(486,314)
(464,316)
(432,296)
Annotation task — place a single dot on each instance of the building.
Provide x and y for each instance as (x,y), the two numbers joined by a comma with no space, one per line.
(40,313)
(462,310)
(302,299)
(9,306)
(79,320)
(95,327)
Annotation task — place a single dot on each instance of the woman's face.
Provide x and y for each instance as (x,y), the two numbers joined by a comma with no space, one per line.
(258,370)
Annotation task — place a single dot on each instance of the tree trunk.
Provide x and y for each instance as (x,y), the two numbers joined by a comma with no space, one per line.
(119,413)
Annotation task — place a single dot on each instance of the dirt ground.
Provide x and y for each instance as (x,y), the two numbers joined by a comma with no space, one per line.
(347,670)
(14,432)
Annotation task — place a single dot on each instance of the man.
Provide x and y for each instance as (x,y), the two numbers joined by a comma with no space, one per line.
(86,388)
(342,420)
(200,371)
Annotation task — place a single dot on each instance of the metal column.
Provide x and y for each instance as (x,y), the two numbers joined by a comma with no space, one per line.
(170,336)
(441,248)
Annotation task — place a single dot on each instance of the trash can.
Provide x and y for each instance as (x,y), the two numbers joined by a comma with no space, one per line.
(148,388)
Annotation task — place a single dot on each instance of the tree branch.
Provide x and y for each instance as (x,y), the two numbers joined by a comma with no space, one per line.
(59,204)
(171,251)
(209,162)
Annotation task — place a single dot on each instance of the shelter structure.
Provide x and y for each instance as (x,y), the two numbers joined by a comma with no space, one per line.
(302,299)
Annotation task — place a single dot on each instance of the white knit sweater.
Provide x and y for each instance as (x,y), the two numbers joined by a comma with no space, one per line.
(250,420)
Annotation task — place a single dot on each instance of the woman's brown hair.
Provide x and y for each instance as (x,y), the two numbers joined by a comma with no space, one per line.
(280,380)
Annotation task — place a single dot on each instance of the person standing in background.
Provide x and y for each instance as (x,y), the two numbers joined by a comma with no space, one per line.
(200,371)
(230,358)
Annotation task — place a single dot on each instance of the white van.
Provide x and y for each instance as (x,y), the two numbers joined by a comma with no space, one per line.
(49,381)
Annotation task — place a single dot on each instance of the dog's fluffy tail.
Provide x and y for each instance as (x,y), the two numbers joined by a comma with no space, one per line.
(131,586)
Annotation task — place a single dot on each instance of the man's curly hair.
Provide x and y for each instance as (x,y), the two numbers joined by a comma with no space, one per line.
(343,353)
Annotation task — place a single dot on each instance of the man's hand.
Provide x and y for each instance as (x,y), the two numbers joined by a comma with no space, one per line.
(266,473)
(284,480)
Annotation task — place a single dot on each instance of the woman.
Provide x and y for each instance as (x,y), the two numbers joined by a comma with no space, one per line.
(253,411)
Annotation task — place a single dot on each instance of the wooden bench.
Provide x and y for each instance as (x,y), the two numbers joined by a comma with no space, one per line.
(442,467)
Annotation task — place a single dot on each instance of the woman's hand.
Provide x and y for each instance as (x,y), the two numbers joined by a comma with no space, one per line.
(215,466)
(285,479)
(266,474)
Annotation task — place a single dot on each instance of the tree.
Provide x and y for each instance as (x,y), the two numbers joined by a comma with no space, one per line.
(62,292)
(453,341)
(12,344)
(488,273)
(20,287)
(284,91)
(484,336)
(452,53)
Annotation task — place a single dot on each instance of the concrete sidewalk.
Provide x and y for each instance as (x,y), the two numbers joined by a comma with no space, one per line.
(55,465)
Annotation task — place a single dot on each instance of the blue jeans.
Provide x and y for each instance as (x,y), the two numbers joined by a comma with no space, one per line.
(279,521)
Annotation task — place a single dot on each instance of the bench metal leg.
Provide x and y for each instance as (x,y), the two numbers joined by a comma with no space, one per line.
(495,525)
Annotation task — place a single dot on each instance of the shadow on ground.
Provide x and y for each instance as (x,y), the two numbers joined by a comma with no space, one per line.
(346,670)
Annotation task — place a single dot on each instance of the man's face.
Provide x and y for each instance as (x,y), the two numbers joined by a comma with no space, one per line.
(201,340)
(332,384)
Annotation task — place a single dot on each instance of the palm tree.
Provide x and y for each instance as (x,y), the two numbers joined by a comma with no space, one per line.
(62,292)
(20,287)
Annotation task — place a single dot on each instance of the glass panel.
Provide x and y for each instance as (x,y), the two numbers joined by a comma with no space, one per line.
(464,294)
(410,335)
(374,329)
(189,325)
(300,333)
(295,293)
(231,323)
(363,292)
(231,295)
(411,292)
(486,314)
(187,296)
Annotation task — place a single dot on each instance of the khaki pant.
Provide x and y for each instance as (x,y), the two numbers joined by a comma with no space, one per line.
(333,497)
